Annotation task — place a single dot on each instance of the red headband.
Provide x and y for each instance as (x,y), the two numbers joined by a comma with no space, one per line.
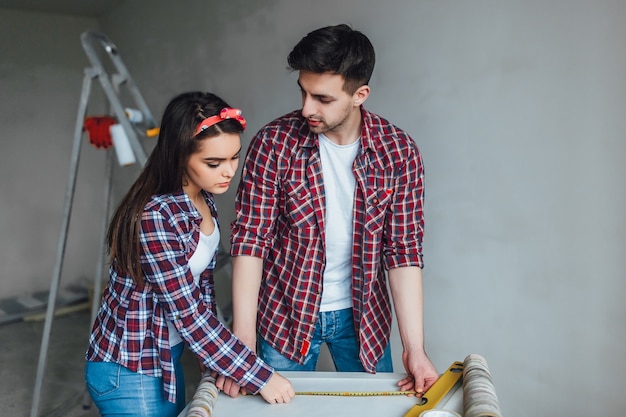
(225,113)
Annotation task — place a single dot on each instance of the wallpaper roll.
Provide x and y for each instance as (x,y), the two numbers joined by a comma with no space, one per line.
(204,399)
(479,393)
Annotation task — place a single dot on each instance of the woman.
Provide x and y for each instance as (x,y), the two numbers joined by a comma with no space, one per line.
(163,241)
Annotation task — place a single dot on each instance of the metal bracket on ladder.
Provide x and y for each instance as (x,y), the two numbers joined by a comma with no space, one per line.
(111,86)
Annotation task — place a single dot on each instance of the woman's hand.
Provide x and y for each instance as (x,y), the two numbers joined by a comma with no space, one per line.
(277,390)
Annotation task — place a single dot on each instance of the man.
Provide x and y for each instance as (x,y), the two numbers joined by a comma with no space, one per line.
(330,198)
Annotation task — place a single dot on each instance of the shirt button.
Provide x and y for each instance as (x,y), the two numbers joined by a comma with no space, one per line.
(375,201)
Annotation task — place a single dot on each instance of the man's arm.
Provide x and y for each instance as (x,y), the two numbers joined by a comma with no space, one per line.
(408,301)
(246,281)
(247,272)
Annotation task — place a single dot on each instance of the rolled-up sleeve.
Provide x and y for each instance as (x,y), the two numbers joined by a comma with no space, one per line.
(252,231)
(405,215)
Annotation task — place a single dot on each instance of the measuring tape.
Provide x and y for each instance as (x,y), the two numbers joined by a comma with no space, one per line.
(356,393)
(428,401)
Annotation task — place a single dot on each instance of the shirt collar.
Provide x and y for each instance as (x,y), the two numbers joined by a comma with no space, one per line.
(182,198)
(367,142)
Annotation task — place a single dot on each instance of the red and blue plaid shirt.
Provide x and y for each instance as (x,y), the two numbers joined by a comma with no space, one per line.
(131,327)
(280,218)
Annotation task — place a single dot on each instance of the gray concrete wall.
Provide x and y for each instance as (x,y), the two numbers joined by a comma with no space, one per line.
(516,106)
(41,70)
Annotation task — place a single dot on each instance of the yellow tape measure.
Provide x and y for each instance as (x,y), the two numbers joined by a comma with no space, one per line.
(356,393)
(427,402)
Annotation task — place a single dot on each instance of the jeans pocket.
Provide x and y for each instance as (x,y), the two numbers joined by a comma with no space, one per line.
(102,378)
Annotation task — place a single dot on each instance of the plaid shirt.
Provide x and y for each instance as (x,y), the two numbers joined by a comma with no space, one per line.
(131,327)
(280,218)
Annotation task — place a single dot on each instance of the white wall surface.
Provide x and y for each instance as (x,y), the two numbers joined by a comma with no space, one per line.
(518,109)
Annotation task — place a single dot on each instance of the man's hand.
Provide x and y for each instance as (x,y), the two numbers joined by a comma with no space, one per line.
(421,374)
(229,386)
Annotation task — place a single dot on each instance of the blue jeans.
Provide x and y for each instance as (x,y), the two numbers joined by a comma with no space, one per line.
(334,328)
(118,391)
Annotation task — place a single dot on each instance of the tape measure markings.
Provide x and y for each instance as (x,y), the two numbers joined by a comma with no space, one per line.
(356,393)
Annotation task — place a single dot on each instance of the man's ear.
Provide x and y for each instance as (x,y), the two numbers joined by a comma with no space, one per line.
(361,94)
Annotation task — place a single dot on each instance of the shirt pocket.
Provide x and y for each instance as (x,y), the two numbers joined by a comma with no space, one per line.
(188,238)
(299,209)
(377,203)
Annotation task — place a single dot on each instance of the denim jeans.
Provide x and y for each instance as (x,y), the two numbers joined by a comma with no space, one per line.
(334,328)
(118,391)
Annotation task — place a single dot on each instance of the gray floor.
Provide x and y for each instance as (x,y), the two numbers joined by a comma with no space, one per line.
(63,392)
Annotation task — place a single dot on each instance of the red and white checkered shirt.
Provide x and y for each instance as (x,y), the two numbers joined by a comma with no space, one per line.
(131,327)
(280,218)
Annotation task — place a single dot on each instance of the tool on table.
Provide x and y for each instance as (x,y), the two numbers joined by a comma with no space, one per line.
(438,390)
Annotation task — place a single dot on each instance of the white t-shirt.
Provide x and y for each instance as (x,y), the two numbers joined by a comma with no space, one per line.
(339,186)
(201,258)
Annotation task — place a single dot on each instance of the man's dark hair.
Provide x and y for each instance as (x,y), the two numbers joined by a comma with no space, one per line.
(336,49)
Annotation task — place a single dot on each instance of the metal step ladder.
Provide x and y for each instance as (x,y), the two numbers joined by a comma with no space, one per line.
(147,127)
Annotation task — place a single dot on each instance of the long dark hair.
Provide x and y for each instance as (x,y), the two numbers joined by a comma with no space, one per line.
(163,172)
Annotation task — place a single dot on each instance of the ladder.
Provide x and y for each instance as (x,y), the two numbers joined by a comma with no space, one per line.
(147,127)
